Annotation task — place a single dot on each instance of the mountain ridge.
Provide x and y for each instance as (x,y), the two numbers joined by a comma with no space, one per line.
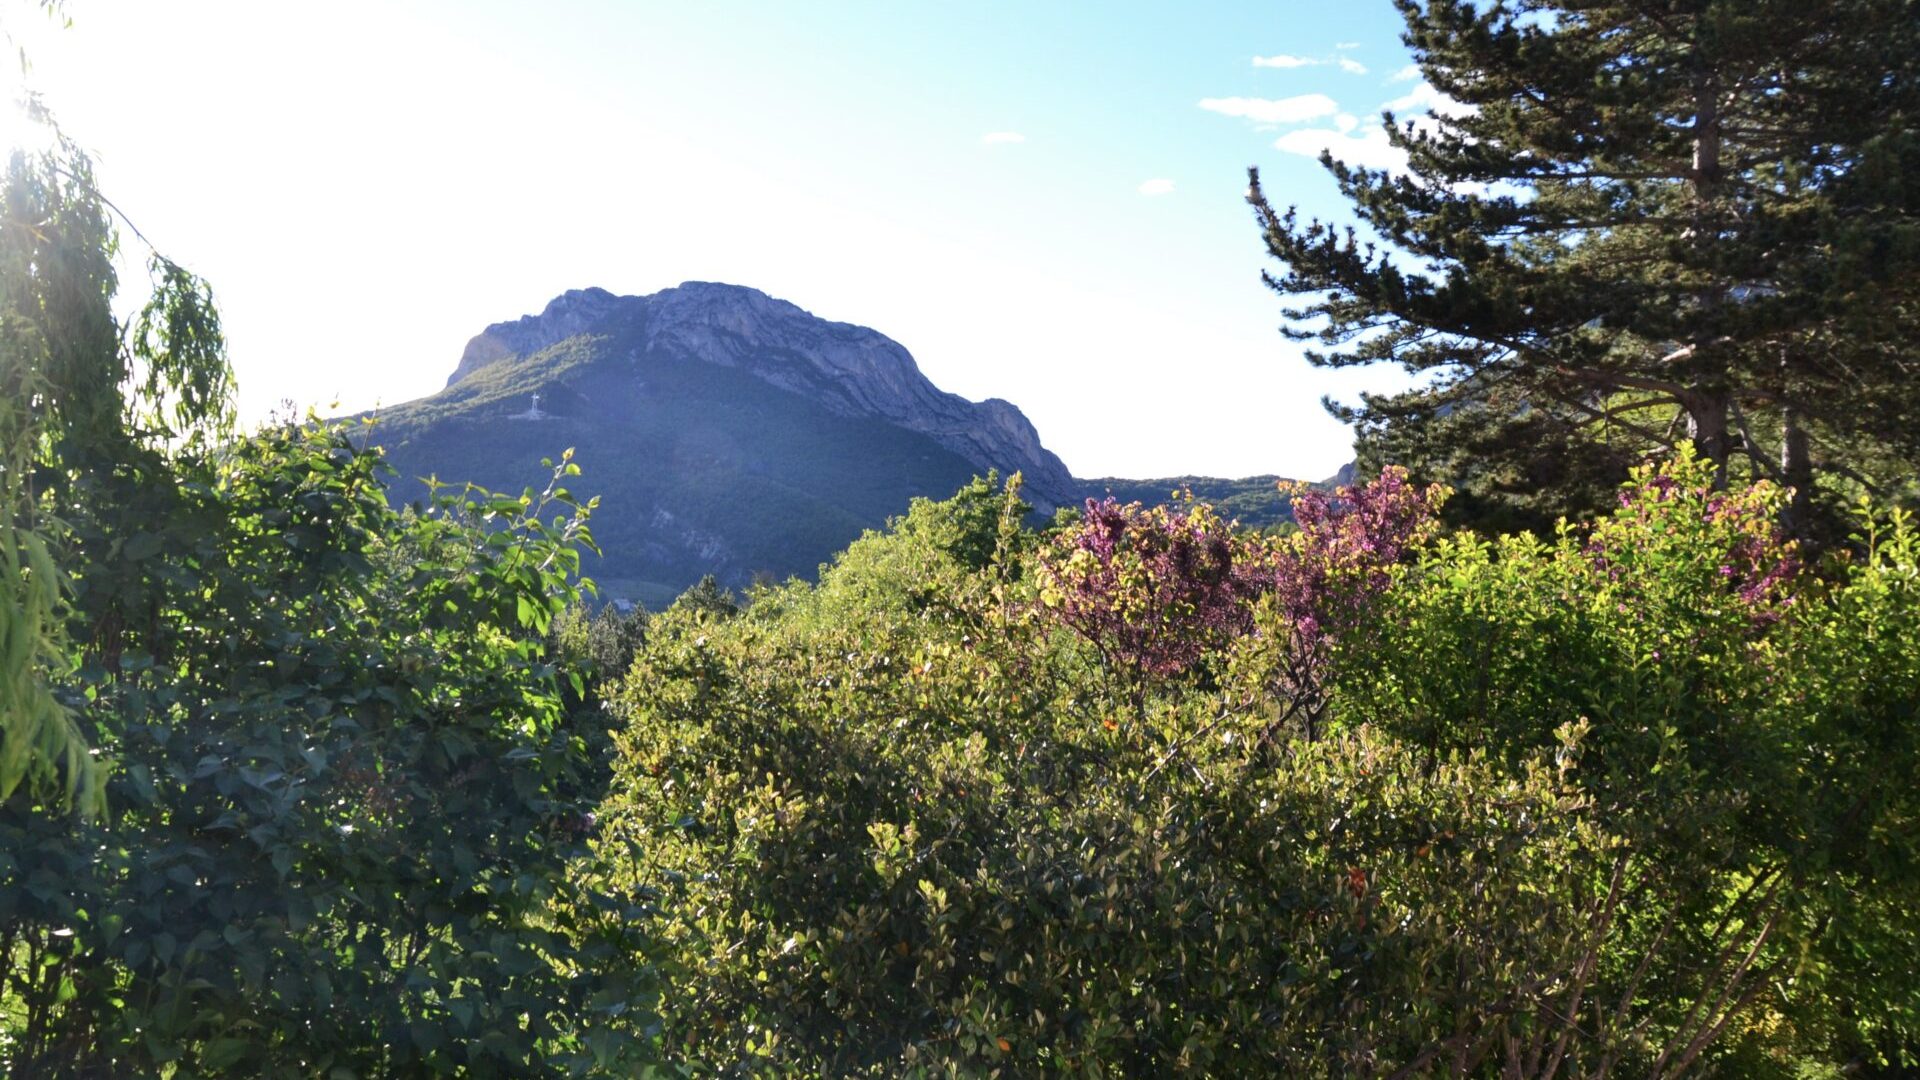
(850,369)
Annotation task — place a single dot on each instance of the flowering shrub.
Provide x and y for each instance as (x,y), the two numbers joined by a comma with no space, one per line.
(1157,590)
(1322,582)
(1742,728)
(1152,589)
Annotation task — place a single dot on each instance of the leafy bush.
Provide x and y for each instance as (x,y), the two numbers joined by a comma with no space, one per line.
(1152,589)
(1749,735)
(346,792)
(599,642)
(1631,801)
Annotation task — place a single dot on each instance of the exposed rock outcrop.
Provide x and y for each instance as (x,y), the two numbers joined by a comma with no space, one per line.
(848,369)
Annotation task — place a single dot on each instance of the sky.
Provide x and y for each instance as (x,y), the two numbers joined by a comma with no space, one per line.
(1043,202)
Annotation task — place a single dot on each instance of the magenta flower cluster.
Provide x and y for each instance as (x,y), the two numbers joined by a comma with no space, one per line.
(1325,580)
(1157,589)
(1152,589)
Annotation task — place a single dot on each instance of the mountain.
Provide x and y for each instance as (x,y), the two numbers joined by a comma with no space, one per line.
(727,432)
(850,370)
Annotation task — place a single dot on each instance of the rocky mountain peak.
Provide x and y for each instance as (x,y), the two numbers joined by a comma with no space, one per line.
(851,370)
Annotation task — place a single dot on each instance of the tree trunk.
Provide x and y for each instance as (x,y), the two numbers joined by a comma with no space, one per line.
(1707,412)
(1796,470)
(1706,137)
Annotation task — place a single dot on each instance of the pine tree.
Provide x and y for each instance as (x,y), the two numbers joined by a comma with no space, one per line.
(1648,221)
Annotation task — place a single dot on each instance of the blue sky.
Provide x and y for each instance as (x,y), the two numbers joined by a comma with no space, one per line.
(1031,197)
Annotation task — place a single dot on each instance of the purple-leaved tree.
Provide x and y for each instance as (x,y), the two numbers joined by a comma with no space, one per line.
(1157,590)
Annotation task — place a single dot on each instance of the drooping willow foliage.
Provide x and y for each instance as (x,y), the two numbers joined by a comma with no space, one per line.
(87,403)
(39,743)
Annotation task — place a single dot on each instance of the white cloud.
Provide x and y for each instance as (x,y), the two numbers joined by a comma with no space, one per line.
(1291,110)
(1431,100)
(1362,144)
(1367,146)
(1157,186)
(1002,138)
(1406,74)
(1348,45)
(1288,60)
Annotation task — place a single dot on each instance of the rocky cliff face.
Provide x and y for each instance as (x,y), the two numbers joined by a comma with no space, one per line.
(850,370)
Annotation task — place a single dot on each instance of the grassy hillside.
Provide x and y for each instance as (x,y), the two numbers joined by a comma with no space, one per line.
(700,468)
(1255,501)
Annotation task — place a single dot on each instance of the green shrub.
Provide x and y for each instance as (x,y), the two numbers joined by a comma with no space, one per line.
(346,791)
(1632,801)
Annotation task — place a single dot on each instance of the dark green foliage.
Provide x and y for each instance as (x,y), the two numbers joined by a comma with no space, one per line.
(346,792)
(600,641)
(1644,223)
(707,597)
(705,469)
(1512,472)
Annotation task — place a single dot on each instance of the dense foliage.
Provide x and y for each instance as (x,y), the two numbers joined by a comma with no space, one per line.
(1633,800)
(82,405)
(346,787)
